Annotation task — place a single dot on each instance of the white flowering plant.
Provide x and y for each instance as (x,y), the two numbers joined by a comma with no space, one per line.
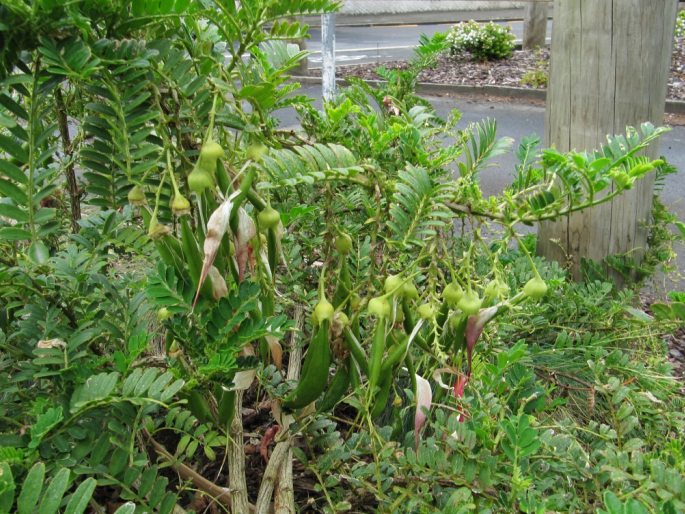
(483,41)
(680,24)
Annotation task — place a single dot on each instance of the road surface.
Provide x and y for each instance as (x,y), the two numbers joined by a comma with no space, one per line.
(361,45)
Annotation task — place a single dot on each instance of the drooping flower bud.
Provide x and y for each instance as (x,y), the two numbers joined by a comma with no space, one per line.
(180,205)
(199,180)
(211,150)
(136,196)
(156,230)
(379,307)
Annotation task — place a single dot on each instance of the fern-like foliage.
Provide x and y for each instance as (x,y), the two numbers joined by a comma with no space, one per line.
(418,209)
(120,123)
(308,165)
(27,168)
(482,145)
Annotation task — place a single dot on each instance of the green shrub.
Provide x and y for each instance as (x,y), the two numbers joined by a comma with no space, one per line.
(485,42)
(680,24)
(536,78)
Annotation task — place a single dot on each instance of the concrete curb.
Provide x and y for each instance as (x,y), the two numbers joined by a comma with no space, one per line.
(516,93)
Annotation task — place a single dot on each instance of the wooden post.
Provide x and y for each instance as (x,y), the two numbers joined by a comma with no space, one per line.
(609,69)
(535,25)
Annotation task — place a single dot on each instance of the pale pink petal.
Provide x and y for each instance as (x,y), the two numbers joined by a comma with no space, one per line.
(474,328)
(424,398)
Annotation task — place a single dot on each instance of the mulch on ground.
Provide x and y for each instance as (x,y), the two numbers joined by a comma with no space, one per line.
(461,70)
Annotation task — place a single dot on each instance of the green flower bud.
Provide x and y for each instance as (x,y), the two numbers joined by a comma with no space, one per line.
(180,205)
(535,288)
(453,294)
(343,243)
(199,180)
(256,151)
(379,307)
(393,284)
(211,151)
(136,196)
(426,311)
(470,303)
(323,311)
(268,218)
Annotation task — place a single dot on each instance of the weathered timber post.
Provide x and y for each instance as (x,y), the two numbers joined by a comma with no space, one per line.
(609,69)
(535,24)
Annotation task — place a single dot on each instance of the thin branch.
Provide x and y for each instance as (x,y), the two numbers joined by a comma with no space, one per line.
(236,460)
(216,492)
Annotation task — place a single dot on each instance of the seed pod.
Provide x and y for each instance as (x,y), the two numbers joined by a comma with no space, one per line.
(337,388)
(314,376)
(377,351)
(136,196)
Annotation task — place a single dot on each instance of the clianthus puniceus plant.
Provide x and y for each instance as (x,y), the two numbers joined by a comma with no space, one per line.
(320,274)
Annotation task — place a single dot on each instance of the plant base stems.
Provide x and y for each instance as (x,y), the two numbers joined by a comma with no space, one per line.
(216,492)
(236,461)
(284,495)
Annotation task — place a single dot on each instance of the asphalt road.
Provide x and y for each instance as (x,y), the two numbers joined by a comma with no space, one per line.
(518,120)
(361,45)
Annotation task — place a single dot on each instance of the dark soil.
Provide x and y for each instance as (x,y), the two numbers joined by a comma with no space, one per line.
(518,71)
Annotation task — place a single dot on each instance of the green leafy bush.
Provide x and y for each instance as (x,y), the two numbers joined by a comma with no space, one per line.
(483,41)
(680,24)
(144,339)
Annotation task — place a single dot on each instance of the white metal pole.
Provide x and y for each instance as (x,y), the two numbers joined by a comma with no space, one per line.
(328,55)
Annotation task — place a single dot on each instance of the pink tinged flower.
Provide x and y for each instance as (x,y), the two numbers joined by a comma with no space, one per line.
(474,328)
(459,387)
(243,249)
(424,397)
(217,226)
(219,287)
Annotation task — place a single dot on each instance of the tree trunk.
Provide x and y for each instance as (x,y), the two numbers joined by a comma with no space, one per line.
(609,69)
(535,25)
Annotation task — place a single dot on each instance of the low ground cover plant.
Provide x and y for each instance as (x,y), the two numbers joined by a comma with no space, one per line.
(198,306)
